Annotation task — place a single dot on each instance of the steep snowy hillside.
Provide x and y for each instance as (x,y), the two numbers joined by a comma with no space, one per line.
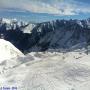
(61,34)
(8,51)
(48,71)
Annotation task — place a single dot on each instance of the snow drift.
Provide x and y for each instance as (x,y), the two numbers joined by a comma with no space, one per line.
(8,51)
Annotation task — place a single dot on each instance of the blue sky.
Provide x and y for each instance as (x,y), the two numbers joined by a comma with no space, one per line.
(44,10)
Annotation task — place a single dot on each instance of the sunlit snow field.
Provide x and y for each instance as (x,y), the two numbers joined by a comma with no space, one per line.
(47,71)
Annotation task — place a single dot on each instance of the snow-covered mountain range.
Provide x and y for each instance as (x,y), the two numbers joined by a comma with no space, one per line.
(57,35)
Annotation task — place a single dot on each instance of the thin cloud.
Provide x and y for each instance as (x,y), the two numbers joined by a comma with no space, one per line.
(56,7)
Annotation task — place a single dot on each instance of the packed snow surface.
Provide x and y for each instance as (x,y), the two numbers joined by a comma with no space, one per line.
(47,71)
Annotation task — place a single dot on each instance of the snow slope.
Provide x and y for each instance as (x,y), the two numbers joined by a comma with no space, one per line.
(29,28)
(8,51)
(49,71)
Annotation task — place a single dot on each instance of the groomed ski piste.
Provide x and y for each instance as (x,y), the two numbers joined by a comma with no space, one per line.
(43,70)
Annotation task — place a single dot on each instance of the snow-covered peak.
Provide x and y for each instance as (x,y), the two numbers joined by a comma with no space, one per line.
(12,24)
(8,21)
(4,20)
(29,28)
(8,51)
